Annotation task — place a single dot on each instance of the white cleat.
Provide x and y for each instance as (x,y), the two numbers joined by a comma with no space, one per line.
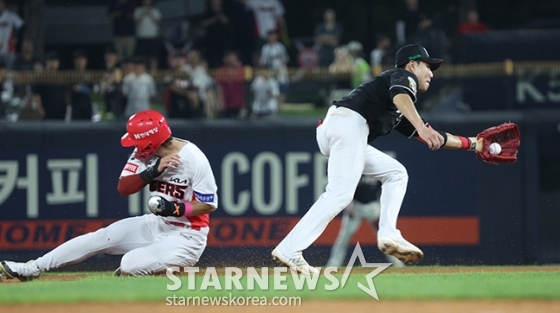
(401,249)
(396,262)
(297,264)
(117,272)
(22,271)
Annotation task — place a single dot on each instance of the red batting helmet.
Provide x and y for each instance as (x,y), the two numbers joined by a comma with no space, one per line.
(146,130)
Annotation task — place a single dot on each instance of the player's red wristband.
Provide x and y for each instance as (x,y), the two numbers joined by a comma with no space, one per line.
(465,143)
(188,209)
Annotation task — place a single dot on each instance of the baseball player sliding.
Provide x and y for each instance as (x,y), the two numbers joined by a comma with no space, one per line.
(364,206)
(374,109)
(183,194)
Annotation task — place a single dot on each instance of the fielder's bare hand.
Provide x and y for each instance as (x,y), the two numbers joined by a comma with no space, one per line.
(432,138)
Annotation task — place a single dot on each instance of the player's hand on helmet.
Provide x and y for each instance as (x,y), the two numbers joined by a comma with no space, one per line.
(171,161)
(432,138)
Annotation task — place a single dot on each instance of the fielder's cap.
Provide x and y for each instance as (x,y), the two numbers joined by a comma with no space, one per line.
(416,53)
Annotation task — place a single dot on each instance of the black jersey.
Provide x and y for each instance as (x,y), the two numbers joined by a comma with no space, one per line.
(374,101)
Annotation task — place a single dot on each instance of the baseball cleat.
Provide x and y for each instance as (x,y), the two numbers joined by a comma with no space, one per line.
(22,271)
(396,262)
(401,249)
(117,272)
(297,264)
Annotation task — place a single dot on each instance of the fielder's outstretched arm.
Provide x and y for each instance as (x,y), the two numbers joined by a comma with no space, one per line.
(432,138)
(463,143)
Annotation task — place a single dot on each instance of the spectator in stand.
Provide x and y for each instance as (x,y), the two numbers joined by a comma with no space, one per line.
(121,13)
(243,22)
(147,19)
(80,93)
(216,29)
(6,93)
(127,67)
(111,84)
(32,107)
(407,24)
(182,95)
(361,71)
(340,69)
(275,56)
(269,16)
(231,82)
(327,37)
(139,87)
(432,38)
(197,68)
(52,96)
(266,91)
(382,54)
(343,62)
(472,24)
(27,61)
(10,25)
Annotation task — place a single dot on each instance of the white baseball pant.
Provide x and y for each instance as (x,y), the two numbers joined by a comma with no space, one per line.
(149,244)
(343,138)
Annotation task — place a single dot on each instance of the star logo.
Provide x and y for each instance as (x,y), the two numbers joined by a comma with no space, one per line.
(379,267)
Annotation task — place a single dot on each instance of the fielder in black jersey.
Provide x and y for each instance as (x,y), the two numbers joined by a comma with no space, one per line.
(373,101)
(373,109)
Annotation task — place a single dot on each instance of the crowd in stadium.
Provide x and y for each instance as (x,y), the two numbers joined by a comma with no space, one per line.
(209,73)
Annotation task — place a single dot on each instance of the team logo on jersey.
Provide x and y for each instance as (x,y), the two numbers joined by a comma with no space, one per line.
(412,84)
(131,167)
(177,180)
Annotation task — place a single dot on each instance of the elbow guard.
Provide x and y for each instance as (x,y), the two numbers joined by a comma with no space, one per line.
(151,173)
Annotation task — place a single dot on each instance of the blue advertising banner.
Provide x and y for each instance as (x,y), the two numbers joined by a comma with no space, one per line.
(59,182)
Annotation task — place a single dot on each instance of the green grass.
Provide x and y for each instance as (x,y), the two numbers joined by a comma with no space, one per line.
(473,285)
